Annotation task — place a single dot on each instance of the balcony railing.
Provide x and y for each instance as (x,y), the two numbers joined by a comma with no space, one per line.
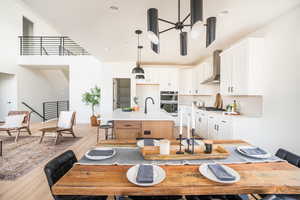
(50,45)
(51,109)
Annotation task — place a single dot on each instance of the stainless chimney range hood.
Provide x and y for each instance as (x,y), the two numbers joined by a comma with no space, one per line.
(215,77)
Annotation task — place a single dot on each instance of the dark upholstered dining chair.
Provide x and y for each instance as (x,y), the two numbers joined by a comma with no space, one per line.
(292,159)
(155,197)
(57,168)
(289,156)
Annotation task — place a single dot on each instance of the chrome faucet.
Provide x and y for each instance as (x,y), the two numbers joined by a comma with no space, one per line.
(146,103)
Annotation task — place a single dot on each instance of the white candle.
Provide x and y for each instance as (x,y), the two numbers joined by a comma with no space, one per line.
(193,117)
(188,128)
(180,130)
(164,147)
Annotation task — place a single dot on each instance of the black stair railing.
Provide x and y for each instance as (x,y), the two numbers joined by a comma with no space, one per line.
(34,111)
(50,45)
(51,109)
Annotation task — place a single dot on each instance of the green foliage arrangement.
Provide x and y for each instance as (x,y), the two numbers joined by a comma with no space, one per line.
(92,98)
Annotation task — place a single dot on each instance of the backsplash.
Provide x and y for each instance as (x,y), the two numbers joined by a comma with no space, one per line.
(247,105)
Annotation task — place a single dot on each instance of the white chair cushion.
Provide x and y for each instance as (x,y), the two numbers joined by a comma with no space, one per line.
(65,119)
(13,121)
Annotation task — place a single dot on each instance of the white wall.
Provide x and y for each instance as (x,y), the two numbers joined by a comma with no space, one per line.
(11,16)
(279,125)
(7,94)
(144,91)
(85,73)
(30,86)
(36,86)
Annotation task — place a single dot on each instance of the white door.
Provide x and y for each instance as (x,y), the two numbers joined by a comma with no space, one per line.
(8,92)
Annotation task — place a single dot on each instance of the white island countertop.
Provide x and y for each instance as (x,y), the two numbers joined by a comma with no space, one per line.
(155,115)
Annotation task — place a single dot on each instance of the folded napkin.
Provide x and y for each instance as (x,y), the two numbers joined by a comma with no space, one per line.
(145,174)
(148,142)
(253,151)
(221,173)
(97,152)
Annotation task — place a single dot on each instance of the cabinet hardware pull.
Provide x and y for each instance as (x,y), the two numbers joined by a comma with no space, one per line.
(228,89)
(127,125)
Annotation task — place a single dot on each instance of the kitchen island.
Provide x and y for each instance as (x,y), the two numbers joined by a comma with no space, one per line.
(132,125)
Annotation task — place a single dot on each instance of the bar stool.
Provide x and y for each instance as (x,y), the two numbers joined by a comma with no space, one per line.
(106,127)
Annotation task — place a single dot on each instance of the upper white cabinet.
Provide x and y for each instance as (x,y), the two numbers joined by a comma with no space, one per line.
(167,78)
(241,68)
(186,83)
(190,79)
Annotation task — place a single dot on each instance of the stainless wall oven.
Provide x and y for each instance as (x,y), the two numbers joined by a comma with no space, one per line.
(169,101)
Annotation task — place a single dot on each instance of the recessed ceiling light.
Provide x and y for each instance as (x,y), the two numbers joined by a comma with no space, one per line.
(114,8)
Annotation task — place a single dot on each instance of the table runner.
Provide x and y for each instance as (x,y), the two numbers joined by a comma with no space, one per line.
(132,156)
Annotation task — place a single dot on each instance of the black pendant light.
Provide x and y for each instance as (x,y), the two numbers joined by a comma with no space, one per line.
(155,47)
(183,43)
(140,76)
(196,17)
(153,32)
(138,70)
(210,30)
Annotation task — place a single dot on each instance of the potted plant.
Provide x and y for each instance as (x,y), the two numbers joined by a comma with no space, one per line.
(92,98)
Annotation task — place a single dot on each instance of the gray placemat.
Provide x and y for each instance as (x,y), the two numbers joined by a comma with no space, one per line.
(132,156)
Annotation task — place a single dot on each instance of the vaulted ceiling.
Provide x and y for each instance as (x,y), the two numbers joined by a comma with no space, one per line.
(109,34)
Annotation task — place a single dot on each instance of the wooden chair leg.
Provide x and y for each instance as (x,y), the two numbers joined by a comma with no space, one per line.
(57,138)
(72,132)
(106,134)
(98,132)
(42,137)
(28,130)
(8,132)
(17,136)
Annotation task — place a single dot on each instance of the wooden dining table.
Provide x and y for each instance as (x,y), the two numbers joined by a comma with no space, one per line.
(259,178)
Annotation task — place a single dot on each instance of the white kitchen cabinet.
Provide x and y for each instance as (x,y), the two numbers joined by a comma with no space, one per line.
(186,81)
(167,78)
(224,130)
(201,124)
(211,127)
(241,68)
(219,128)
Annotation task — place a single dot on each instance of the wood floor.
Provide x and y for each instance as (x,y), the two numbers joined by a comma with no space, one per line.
(33,186)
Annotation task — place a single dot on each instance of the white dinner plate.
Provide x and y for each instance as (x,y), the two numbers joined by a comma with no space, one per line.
(140,143)
(206,172)
(268,155)
(100,157)
(159,175)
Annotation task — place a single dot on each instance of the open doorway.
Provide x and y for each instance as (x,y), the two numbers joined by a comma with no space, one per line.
(7,94)
(121,93)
